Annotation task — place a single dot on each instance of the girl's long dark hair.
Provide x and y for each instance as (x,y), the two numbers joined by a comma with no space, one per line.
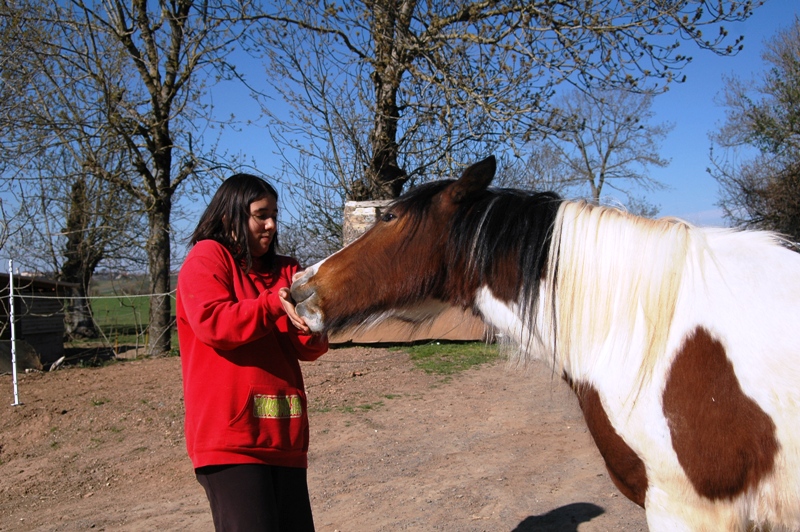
(227,218)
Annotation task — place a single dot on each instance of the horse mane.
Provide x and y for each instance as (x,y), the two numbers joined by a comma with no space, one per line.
(503,231)
(494,231)
(505,223)
(606,270)
(610,270)
(502,238)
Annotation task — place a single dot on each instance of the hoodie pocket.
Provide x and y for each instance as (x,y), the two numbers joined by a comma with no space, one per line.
(272,418)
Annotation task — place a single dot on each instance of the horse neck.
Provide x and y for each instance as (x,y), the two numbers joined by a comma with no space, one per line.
(610,289)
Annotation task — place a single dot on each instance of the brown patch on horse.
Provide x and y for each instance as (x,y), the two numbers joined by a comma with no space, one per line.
(626,469)
(506,278)
(725,442)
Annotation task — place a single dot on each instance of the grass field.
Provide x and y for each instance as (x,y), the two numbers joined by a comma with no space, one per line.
(121,309)
(446,358)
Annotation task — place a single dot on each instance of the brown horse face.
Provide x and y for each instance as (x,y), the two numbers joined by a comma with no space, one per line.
(396,269)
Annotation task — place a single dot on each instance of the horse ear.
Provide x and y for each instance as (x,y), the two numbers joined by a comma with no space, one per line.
(474,179)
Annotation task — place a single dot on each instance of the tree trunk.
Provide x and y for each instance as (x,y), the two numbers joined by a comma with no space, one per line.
(158,252)
(159,326)
(78,320)
(82,255)
(384,173)
(385,178)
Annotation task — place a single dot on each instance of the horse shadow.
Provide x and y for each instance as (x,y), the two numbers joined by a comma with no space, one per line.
(563,519)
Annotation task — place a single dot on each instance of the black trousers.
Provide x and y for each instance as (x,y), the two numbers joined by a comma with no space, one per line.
(257,498)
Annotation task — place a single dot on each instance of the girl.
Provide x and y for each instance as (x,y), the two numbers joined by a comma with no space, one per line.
(240,343)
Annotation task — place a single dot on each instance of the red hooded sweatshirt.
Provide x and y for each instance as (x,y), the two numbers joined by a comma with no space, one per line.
(243,390)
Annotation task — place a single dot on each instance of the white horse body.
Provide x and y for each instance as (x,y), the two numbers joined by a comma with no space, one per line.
(741,287)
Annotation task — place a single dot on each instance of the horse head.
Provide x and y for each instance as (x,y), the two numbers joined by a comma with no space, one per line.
(401,267)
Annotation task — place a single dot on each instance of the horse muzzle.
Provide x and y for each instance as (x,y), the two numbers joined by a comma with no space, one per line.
(306,303)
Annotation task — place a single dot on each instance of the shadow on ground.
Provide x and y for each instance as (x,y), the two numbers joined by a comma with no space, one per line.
(563,519)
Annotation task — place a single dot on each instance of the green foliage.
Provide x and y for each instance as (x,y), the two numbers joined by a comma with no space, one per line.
(447,358)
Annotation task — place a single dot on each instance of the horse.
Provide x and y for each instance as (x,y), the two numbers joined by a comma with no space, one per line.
(681,343)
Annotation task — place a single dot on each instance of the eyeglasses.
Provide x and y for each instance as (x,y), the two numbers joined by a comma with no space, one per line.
(263,217)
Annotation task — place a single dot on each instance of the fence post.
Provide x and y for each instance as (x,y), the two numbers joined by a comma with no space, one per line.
(13,332)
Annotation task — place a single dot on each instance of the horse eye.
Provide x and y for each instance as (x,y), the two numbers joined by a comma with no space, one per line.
(388,217)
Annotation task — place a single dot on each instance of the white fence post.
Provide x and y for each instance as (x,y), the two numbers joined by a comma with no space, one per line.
(13,332)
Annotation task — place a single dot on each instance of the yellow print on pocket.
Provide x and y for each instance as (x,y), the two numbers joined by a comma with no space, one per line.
(277,406)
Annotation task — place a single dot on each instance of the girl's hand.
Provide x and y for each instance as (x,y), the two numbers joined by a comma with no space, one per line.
(288,306)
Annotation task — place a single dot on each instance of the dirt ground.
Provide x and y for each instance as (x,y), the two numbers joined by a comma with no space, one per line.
(392,448)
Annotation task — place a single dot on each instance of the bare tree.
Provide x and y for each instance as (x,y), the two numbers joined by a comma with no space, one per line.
(387,92)
(758,167)
(130,75)
(543,169)
(76,221)
(608,140)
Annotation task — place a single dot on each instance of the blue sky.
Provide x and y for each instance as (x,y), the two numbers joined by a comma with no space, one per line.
(693,193)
